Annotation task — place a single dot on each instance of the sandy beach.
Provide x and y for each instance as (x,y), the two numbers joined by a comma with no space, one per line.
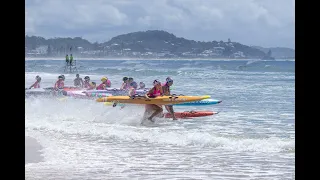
(32,151)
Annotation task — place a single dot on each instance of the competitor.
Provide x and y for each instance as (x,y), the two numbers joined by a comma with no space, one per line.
(132,89)
(155,91)
(142,85)
(78,82)
(86,83)
(37,83)
(166,92)
(64,78)
(105,83)
(108,83)
(60,83)
(130,80)
(92,86)
(125,85)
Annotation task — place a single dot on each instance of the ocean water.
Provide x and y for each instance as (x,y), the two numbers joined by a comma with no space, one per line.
(252,137)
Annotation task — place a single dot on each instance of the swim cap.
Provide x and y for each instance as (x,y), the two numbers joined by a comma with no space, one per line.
(142,84)
(124,78)
(155,82)
(63,77)
(104,79)
(130,78)
(87,77)
(134,84)
(92,83)
(60,77)
(168,79)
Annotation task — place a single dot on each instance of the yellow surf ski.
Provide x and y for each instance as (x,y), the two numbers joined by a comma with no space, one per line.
(160,100)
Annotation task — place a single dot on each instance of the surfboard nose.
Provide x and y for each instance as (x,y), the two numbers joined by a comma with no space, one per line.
(206,97)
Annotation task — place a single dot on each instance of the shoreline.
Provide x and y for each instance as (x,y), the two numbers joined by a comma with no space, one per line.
(32,150)
(177,59)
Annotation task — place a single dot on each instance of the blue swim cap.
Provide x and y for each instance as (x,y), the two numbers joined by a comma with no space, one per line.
(168,79)
(134,84)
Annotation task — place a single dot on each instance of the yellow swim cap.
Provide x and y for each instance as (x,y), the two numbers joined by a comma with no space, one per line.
(104,79)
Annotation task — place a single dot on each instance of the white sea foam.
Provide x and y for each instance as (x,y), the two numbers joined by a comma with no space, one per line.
(251,138)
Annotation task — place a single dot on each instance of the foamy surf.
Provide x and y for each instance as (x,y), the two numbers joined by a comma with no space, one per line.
(252,137)
(80,120)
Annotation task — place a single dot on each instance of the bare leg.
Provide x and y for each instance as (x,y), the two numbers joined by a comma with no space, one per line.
(146,113)
(169,108)
(158,110)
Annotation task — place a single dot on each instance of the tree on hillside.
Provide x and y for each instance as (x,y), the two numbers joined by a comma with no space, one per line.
(139,42)
(49,51)
(269,53)
(227,51)
(96,46)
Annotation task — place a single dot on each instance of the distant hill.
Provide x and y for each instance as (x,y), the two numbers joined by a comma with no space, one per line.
(32,42)
(162,41)
(278,52)
(142,44)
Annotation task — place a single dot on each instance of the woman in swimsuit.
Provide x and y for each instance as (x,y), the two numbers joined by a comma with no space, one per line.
(153,92)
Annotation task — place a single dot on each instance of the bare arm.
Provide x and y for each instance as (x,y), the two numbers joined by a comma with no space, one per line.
(164,90)
(149,92)
(32,85)
(161,91)
(56,86)
(81,82)
(122,86)
(130,92)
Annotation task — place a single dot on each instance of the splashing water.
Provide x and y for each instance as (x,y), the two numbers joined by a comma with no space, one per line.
(251,138)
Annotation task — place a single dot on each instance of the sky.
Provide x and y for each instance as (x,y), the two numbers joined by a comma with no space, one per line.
(266,23)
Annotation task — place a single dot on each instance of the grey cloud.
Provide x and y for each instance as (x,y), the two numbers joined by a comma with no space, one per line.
(251,22)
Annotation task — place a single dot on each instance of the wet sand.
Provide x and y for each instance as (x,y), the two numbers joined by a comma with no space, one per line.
(32,151)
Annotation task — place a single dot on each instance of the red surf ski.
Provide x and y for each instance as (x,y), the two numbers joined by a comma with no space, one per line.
(72,88)
(189,114)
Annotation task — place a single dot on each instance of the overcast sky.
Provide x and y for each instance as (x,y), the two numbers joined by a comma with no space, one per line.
(267,23)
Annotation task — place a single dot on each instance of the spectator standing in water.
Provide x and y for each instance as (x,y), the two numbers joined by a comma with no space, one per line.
(71,59)
(67,59)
